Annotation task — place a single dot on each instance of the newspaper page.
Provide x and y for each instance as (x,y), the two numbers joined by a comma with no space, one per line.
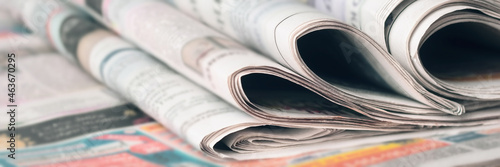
(54,101)
(372,17)
(434,40)
(169,98)
(129,146)
(52,87)
(460,147)
(140,145)
(74,124)
(153,145)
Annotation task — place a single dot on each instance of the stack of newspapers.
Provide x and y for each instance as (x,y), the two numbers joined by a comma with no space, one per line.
(254,79)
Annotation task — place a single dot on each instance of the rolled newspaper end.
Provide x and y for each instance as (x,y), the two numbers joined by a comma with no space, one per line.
(435,41)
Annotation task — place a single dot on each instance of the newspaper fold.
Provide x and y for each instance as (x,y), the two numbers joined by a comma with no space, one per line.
(334,55)
(450,46)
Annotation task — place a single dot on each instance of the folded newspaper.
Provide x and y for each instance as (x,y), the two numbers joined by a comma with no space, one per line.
(363,93)
(354,72)
(200,117)
(450,46)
